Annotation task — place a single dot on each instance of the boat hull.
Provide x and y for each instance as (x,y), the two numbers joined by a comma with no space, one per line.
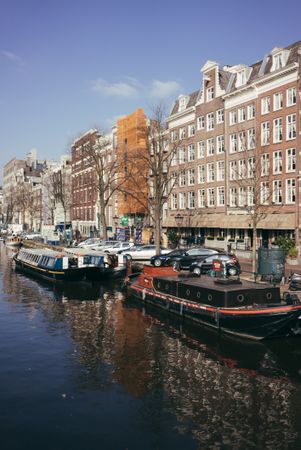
(73,274)
(254,321)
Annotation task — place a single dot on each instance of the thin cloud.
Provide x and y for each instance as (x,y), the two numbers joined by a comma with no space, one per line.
(13,57)
(122,89)
(164,89)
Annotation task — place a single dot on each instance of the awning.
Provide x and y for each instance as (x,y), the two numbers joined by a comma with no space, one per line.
(277,221)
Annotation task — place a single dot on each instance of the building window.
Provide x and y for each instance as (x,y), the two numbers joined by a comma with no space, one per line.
(210,93)
(210,172)
(201,122)
(277,61)
(190,177)
(201,198)
(173,158)
(290,160)
(210,196)
(174,201)
(241,78)
(290,190)
(242,196)
(233,196)
(233,117)
(191,153)
(265,105)
(278,101)
(191,130)
(291,97)
(233,143)
(191,203)
(220,144)
(251,111)
(277,192)
(182,178)
(264,192)
(220,116)
(241,115)
(233,170)
(201,174)
(220,196)
(242,141)
(220,170)
(277,130)
(210,121)
(251,167)
(265,133)
(201,149)
(182,155)
(173,135)
(290,127)
(210,147)
(251,195)
(265,165)
(242,169)
(277,162)
(182,202)
(251,139)
(182,133)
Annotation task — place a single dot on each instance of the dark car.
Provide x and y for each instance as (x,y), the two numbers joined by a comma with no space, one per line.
(169,258)
(205,265)
(193,254)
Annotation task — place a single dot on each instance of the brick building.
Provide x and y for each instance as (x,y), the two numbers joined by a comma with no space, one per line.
(239,152)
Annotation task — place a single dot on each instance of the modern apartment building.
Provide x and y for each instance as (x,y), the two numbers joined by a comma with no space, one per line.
(238,152)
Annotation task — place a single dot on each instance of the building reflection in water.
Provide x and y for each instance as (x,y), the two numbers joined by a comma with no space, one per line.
(226,394)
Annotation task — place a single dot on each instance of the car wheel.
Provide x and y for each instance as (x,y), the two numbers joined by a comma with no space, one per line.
(176,265)
(157,262)
(197,271)
(232,271)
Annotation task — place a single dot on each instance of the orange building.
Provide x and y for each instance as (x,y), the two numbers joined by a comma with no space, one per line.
(131,148)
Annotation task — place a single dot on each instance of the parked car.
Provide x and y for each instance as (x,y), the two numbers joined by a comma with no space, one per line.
(102,245)
(118,248)
(194,254)
(143,252)
(169,258)
(205,265)
(88,243)
(32,236)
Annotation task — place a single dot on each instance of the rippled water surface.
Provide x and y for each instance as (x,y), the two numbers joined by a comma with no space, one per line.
(83,367)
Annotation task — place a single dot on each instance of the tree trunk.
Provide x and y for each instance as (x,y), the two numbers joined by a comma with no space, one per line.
(157,229)
(254,248)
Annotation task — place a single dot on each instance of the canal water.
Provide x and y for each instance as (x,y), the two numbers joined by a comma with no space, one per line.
(84,367)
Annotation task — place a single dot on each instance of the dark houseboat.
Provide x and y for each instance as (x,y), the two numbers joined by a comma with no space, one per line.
(99,265)
(49,264)
(241,308)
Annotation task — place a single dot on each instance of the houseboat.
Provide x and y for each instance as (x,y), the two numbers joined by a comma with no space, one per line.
(99,265)
(49,264)
(240,308)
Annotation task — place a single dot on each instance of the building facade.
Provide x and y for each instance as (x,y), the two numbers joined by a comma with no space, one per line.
(238,153)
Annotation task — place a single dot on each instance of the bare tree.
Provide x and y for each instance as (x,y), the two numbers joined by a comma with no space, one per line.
(100,156)
(250,186)
(154,171)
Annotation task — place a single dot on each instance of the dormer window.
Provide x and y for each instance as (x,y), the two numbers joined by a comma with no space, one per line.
(280,57)
(241,78)
(210,94)
(277,61)
(182,102)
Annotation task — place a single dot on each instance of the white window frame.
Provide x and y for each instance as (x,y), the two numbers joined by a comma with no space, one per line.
(201,149)
(210,146)
(232,197)
(182,200)
(220,144)
(277,101)
(191,200)
(233,143)
(201,123)
(191,130)
(264,192)
(277,162)
(250,111)
(265,133)
(291,127)
(210,93)
(251,138)
(290,160)
(277,130)
(201,198)
(241,115)
(210,121)
(221,196)
(233,117)
(220,116)
(201,174)
(191,177)
(265,105)
(265,164)
(191,153)
(291,96)
(290,191)
(220,170)
(210,197)
(277,192)
(210,172)
(182,155)
(174,201)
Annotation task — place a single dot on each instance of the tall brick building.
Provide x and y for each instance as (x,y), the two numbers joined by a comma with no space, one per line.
(244,119)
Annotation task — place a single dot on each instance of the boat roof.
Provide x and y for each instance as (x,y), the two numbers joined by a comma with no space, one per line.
(84,251)
(43,252)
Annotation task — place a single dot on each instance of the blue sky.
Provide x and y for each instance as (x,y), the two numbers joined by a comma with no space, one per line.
(69,65)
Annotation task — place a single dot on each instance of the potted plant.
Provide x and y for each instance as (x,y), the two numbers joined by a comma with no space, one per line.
(292,257)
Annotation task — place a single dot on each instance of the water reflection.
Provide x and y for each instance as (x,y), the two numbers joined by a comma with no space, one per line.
(221,393)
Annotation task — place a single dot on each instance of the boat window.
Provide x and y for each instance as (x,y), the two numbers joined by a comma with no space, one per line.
(50,262)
